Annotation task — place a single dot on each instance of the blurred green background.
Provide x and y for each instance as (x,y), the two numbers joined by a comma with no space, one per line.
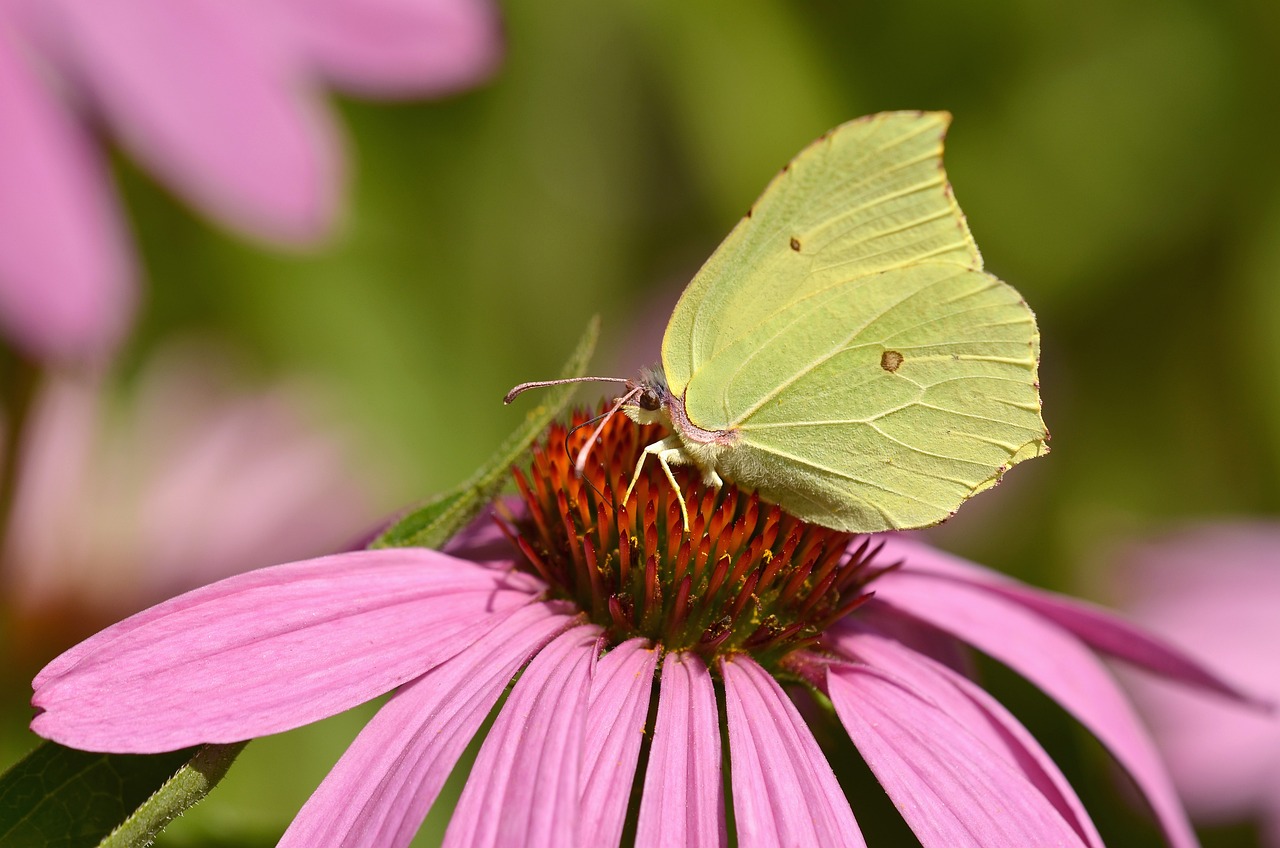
(1116,163)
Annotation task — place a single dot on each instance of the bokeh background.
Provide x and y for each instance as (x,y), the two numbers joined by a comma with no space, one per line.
(1117,163)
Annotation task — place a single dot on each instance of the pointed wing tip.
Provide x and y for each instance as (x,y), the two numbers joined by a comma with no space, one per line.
(941,116)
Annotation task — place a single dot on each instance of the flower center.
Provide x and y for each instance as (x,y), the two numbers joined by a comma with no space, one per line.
(746,577)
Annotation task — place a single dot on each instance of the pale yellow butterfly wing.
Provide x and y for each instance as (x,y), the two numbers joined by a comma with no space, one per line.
(876,377)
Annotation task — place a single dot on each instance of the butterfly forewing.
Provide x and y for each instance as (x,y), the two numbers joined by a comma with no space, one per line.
(870,195)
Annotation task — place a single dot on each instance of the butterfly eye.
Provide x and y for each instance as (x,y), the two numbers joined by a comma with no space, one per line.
(649,400)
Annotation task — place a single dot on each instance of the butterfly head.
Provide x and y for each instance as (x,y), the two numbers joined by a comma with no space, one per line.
(651,399)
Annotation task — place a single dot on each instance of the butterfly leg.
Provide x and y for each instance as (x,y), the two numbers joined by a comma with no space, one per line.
(655,448)
(666,450)
(664,458)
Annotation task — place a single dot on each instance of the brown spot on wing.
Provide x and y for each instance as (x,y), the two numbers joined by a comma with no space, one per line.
(890,360)
(795,244)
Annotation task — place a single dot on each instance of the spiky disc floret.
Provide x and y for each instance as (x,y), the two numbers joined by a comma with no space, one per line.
(746,577)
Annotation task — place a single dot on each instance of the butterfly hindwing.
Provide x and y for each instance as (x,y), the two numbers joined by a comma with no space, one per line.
(886,401)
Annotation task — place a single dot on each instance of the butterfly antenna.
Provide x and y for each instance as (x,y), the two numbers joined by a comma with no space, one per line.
(540,384)
(575,428)
(580,463)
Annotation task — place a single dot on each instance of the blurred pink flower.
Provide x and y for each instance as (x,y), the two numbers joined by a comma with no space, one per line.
(1215,590)
(220,98)
(119,506)
(595,605)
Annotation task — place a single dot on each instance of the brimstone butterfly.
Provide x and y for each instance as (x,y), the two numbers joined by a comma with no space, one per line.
(842,352)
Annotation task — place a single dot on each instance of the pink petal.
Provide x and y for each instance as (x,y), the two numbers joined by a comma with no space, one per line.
(249,483)
(58,446)
(205,92)
(380,791)
(1056,662)
(1100,629)
(683,801)
(523,789)
(948,785)
(919,637)
(400,47)
(66,277)
(269,650)
(784,792)
(1193,558)
(967,703)
(616,720)
(1214,590)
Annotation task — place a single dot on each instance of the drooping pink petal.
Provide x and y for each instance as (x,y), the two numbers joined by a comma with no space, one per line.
(205,92)
(683,802)
(380,791)
(970,705)
(1102,630)
(66,277)
(270,650)
(616,719)
(523,789)
(1056,662)
(949,786)
(784,792)
(399,47)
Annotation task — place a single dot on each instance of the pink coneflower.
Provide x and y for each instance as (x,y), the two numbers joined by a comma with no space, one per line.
(221,100)
(1216,590)
(602,608)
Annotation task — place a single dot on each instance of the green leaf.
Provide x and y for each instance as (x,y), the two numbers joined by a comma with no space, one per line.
(434,522)
(59,797)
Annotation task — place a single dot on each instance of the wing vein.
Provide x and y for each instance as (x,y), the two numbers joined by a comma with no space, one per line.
(850,477)
(837,349)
